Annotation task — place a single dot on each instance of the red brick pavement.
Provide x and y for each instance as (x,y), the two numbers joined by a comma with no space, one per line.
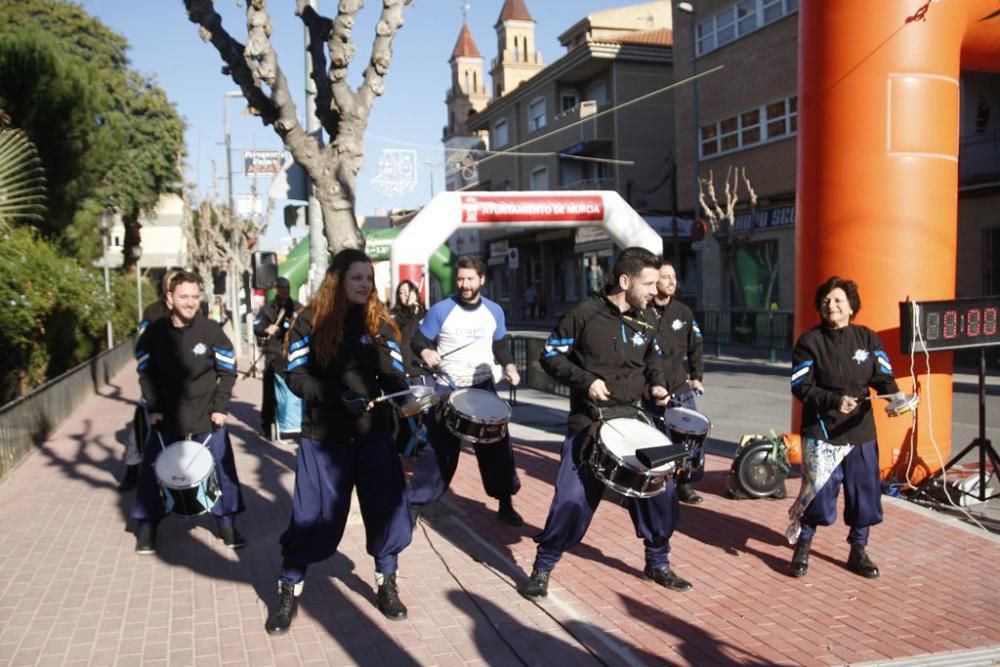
(73,592)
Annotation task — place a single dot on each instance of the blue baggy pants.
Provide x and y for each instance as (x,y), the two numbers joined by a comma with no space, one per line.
(579,492)
(326,473)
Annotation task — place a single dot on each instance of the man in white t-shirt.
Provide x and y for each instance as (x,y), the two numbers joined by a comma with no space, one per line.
(459,339)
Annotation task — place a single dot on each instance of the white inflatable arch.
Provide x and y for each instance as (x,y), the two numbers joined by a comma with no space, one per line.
(448,211)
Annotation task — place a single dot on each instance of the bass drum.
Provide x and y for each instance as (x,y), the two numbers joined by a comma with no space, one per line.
(753,474)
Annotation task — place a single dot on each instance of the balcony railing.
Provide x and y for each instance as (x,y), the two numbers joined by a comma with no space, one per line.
(589,184)
(979,159)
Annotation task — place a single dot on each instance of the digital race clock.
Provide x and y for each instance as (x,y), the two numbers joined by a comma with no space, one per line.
(948,325)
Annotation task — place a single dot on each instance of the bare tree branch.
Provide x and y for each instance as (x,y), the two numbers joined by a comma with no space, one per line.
(342,51)
(320,29)
(389,22)
(203,13)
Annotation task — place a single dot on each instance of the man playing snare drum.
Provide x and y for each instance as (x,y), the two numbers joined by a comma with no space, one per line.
(608,356)
(459,338)
(187,369)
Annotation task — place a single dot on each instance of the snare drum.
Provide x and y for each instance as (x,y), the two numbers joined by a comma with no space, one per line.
(422,398)
(902,405)
(689,428)
(476,415)
(612,458)
(185,471)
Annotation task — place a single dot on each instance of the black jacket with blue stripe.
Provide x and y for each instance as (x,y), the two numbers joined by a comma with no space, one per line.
(680,340)
(828,363)
(593,341)
(363,365)
(186,373)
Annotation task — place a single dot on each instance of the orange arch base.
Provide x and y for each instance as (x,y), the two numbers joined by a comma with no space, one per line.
(878,180)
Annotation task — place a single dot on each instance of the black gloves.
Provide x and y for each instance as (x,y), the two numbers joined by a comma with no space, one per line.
(354,403)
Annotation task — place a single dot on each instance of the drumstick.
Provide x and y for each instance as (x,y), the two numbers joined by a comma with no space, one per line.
(461,347)
(385,397)
(870,397)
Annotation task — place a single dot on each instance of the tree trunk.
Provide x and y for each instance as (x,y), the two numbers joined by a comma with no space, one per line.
(132,243)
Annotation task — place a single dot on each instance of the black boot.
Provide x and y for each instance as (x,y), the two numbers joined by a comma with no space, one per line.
(288,605)
(688,495)
(230,536)
(667,578)
(145,539)
(859,562)
(388,599)
(508,514)
(800,559)
(537,586)
(130,479)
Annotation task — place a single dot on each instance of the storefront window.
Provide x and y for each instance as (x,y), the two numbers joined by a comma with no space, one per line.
(755,285)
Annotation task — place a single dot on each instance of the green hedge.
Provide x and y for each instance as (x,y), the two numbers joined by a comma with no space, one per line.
(53,311)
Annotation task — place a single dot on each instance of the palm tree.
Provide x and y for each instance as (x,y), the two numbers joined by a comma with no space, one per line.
(22,177)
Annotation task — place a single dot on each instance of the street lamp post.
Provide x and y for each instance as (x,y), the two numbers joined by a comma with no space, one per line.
(234,270)
(430,170)
(690,10)
(105,226)
(137,252)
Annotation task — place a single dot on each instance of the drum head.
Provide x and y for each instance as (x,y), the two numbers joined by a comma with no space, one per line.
(480,404)
(421,392)
(183,464)
(623,436)
(686,420)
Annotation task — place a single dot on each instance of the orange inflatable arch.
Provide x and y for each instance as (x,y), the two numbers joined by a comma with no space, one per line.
(878,178)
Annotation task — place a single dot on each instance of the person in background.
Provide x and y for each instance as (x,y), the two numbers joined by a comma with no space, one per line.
(270,326)
(833,365)
(680,342)
(342,353)
(408,312)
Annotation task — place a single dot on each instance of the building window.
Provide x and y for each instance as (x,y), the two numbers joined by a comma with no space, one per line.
(568,100)
(740,19)
(782,117)
(540,178)
(746,17)
(499,135)
(467,89)
(598,92)
(536,114)
(746,129)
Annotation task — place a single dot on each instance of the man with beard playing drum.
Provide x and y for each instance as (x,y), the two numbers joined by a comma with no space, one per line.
(607,360)
(681,340)
(459,338)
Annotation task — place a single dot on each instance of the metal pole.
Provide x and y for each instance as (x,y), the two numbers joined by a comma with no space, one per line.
(107,275)
(318,252)
(232,281)
(138,290)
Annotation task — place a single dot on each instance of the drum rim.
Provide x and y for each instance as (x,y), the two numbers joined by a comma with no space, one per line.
(660,434)
(475,419)
(643,470)
(909,401)
(680,408)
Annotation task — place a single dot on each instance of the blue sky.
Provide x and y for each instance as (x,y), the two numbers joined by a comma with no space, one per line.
(410,115)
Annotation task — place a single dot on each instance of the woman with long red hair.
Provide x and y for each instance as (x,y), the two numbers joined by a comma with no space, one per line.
(342,353)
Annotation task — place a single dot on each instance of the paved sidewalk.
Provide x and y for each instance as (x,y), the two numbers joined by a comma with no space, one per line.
(73,592)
